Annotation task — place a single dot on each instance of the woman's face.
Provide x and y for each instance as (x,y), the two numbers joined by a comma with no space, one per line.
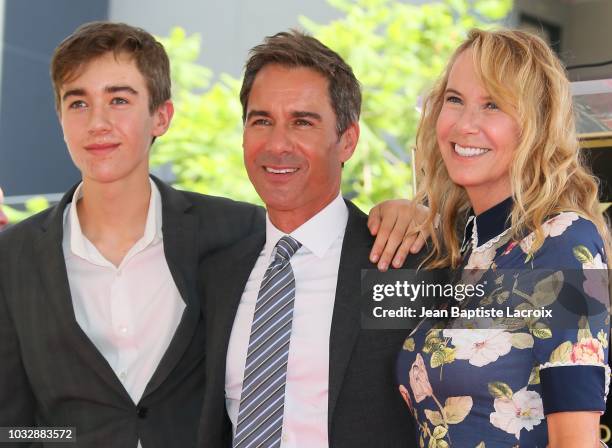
(477,140)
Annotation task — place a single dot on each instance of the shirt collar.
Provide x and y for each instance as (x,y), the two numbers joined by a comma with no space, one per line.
(79,245)
(490,223)
(318,233)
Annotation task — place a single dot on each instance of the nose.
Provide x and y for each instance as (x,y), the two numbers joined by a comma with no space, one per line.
(279,139)
(99,120)
(468,121)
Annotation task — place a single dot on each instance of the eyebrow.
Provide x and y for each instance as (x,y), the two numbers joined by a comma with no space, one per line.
(456,92)
(306,114)
(295,114)
(109,89)
(257,113)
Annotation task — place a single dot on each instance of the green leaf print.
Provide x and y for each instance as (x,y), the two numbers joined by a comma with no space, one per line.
(562,353)
(547,290)
(582,254)
(500,390)
(409,344)
(584,331)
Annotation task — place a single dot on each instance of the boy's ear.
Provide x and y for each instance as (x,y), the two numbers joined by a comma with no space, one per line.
(162,118)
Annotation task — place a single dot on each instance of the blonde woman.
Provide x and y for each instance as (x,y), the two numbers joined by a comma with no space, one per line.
(499,157)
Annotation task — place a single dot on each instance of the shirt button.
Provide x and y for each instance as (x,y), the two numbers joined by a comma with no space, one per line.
(119,273)
(123,329)
(123,376)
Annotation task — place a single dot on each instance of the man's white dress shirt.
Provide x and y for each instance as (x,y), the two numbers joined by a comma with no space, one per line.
(131,311)
(315,267)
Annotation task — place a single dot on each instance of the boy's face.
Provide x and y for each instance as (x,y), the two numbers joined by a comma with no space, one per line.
(104,113)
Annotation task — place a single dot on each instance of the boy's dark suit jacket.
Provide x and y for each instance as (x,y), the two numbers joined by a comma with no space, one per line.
(365,407)
(51,374)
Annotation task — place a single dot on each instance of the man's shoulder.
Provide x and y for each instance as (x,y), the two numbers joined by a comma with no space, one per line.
(203,203)
(26,229)
(206,202)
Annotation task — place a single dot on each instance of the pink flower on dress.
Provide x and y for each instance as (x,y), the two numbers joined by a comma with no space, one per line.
(523,410)
(527,242)
(557,225)
(477,264)
(596,280)
(509,247)
(406,396)
(587,351)
(479,346)
(419,381)
(553,227)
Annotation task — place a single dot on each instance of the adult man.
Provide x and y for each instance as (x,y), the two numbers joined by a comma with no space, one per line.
(288,363)
(100,325)
(3,217)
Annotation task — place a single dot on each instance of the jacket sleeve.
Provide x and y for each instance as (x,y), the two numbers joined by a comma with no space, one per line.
(17,402)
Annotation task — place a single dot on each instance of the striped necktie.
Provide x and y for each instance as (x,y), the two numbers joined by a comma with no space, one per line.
(260,416)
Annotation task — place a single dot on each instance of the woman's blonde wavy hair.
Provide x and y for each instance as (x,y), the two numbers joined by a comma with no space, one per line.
(547,172)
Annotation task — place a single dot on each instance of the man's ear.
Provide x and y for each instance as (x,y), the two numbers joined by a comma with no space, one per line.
(348,141)
(162,118)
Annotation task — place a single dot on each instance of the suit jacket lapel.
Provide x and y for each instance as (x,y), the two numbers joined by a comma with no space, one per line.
(180,234)
(346,318)
(54,277)
(223,299)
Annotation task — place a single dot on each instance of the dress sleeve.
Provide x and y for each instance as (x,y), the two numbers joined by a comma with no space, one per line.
(571,353)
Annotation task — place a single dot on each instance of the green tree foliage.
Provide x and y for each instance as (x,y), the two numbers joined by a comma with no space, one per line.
(395,48)
(33,205)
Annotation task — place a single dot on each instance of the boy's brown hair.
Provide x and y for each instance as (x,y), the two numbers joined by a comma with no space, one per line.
(95,39)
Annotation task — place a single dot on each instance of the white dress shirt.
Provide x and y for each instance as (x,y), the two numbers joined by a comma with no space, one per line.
(315,267)
(130,312)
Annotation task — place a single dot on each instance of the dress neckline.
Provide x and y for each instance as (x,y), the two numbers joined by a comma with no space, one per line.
(489,227)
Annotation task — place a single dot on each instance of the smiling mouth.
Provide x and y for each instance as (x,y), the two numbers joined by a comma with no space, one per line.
(280,170)
(469,151)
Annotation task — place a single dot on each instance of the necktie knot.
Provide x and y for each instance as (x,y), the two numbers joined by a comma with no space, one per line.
(286,247)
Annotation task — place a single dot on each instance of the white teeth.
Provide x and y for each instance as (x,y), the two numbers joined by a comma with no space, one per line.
(469,151)
(281,171)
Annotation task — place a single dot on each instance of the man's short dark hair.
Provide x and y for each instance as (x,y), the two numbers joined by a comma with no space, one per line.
(297,49)
(95,39)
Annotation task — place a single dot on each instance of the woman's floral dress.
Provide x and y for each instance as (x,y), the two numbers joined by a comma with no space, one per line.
(490,388)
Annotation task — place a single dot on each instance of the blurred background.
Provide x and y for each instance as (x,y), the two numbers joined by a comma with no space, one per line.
(396,48)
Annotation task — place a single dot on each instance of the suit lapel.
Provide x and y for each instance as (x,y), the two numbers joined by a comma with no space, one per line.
(54,277)
(180,236)
(346,320)
(223,297)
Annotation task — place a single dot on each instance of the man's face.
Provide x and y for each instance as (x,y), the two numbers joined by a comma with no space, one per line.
(3,217)
(292,151)
(104,113)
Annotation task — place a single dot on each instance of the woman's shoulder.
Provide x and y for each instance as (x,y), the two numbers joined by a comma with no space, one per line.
(569,239)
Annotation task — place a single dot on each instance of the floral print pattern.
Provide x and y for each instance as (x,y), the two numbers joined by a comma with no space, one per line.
(523,410)
(484,387)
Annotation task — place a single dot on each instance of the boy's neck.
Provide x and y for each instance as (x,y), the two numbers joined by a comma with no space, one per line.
(113,215)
